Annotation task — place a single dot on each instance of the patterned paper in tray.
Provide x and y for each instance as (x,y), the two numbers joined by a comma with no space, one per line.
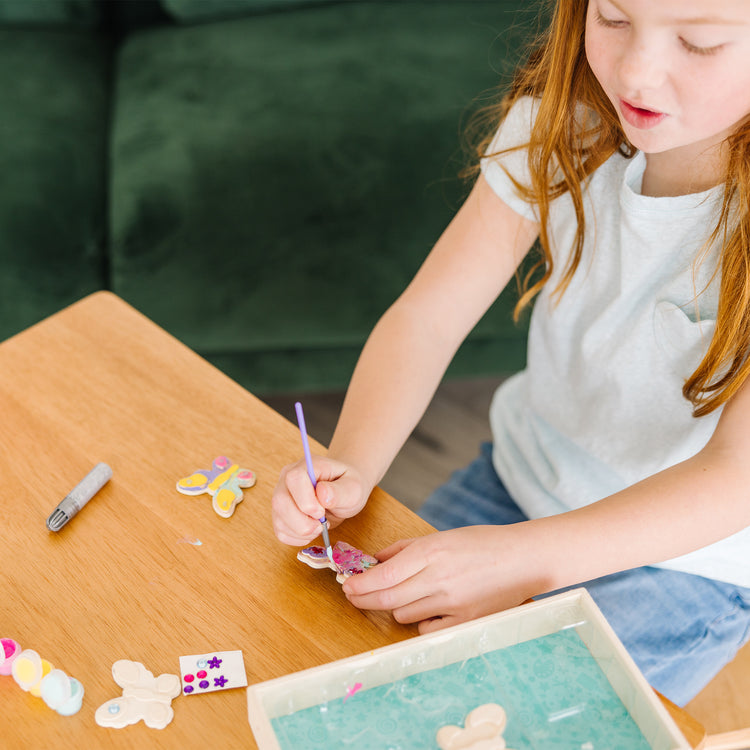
(554,693)
(555,665)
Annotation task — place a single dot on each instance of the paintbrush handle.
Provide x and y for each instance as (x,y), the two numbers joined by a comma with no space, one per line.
(305,443)
(311,474)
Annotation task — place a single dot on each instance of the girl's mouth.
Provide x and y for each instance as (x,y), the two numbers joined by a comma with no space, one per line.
(643,119)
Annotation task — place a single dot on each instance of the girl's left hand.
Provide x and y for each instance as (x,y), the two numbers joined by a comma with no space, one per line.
(453,576)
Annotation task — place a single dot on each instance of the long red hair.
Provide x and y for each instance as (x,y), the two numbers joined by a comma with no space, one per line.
(571,146)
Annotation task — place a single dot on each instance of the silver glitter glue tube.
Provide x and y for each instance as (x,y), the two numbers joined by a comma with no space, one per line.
(79,496)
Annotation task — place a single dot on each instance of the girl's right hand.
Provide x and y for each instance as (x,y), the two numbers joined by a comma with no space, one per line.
(297,506)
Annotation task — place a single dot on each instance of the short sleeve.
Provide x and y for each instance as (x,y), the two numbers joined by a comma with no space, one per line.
(513,131)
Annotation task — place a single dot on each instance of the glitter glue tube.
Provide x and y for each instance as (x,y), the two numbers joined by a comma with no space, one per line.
(79,496)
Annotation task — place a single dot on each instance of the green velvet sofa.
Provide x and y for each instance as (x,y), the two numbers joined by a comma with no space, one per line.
(260,177)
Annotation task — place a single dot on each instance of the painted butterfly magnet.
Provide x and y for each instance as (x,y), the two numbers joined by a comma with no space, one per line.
(348,560)
(224,481)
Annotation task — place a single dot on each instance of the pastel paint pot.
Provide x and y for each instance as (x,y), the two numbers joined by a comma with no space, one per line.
(37,688)
(62,693)
(9,650)
(73,704)
(55,689)
(28,670)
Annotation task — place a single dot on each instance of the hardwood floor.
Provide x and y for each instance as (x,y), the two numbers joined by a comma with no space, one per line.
(446,439)
(724,705)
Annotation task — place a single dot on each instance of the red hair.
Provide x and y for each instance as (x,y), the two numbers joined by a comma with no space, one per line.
(572,146)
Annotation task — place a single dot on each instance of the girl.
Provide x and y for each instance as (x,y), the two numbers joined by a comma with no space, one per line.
(620,453)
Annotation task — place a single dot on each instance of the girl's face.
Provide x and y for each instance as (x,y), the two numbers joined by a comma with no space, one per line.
(676,71)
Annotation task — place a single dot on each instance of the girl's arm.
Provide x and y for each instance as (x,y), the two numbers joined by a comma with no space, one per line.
(404,360)
(690,505)
(462,574)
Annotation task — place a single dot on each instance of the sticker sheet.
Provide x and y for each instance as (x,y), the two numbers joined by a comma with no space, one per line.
(216,670)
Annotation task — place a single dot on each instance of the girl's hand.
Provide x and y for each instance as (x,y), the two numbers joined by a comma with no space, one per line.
(453,576)
(297,506)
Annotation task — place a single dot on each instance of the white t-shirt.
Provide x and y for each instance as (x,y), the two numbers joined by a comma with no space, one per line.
(599,405)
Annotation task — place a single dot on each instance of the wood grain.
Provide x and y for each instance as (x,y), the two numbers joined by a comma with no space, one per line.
(723,705)
(100,382)
(693,730)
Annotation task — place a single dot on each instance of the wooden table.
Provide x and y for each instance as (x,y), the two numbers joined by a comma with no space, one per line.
(100,382)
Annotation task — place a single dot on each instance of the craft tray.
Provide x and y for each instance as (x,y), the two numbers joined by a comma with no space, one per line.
(560,616)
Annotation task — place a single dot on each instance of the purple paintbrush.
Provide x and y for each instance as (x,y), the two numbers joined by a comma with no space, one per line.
(311,474)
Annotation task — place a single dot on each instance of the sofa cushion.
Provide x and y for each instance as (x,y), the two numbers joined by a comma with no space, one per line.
(194,11)
(52,155)
(280,228)
(73,13)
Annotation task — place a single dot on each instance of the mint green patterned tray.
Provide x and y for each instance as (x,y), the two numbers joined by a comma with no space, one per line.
(556,667)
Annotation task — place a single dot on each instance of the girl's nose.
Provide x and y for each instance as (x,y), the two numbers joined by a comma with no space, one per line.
(641,67)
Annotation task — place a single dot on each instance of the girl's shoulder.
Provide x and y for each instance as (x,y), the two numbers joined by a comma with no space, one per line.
(505,164)
(514,132)
(515,127)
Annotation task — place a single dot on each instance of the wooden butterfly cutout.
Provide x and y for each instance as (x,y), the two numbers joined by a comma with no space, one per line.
(224,481)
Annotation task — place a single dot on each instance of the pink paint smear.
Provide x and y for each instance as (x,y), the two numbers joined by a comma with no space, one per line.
(350,691)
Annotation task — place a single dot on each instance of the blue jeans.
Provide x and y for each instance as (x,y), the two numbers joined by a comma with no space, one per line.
(680,629)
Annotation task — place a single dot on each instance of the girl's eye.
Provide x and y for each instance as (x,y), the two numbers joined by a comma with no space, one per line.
(609,23)
(694,49)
